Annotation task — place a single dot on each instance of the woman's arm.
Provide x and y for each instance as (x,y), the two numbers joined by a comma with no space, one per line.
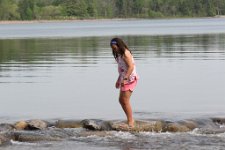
(128,60)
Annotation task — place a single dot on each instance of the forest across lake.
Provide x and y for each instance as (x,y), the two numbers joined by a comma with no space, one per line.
(98,9)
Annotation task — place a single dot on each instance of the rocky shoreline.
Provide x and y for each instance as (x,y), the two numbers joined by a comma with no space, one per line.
(41,130)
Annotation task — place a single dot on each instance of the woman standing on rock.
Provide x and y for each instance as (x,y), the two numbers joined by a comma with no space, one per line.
(128,77)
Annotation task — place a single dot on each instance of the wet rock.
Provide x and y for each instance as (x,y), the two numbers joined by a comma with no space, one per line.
(68,124)
(189,124)
(4,127)
(175,127)
(28,136)
(140,125)
(49,134)
(60,133)
(31,125)
(21,125)
(95,124)
(36,125)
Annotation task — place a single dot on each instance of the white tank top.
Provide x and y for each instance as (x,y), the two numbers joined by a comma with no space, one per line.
(122,69)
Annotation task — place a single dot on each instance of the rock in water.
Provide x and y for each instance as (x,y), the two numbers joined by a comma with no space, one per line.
(31,136)
(36,125)
(21,125)
(95,124)
(189,124)
(140,125)
(31,125)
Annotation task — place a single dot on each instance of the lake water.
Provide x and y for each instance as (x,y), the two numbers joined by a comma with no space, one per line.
(66,70)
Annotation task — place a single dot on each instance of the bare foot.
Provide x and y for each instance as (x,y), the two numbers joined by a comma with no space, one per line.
(131,124)
(125,127)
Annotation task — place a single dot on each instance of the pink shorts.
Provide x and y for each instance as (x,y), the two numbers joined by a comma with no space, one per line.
(129,86)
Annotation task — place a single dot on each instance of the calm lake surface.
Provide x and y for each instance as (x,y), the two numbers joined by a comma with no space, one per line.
(66,70)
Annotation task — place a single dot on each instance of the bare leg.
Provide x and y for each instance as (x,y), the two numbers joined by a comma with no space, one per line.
(124,100)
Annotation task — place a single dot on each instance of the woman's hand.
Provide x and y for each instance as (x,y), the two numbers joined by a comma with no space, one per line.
(125,81)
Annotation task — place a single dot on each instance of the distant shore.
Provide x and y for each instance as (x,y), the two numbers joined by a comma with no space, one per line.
(52,21)
(78,20)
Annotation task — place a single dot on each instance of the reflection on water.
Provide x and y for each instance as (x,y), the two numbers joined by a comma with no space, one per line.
(178,73)
(84,50)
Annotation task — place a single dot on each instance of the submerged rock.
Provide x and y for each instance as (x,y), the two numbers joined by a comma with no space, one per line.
(52,134)
(95,124)
(32,137)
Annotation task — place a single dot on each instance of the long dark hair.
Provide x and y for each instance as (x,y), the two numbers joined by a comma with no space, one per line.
(121,45)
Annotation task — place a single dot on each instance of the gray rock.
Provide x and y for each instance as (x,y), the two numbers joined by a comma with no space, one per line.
(36,125)
(28,136)
(97,125)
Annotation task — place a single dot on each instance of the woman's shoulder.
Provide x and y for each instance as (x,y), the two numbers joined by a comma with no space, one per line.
(127,54)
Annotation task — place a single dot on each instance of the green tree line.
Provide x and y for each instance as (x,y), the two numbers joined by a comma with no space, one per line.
(94,9)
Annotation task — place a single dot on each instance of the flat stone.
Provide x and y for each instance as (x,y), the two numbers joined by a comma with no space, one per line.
(140,125)
(68,124)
